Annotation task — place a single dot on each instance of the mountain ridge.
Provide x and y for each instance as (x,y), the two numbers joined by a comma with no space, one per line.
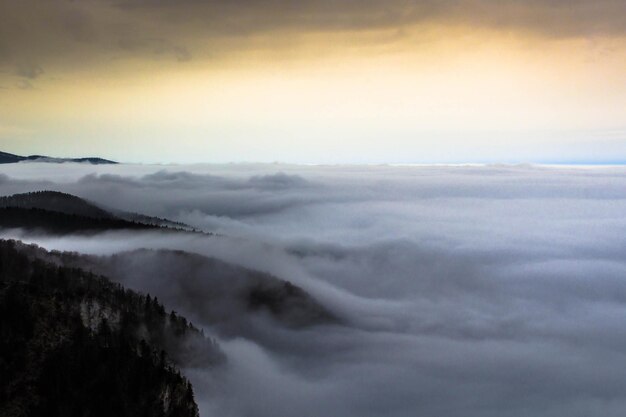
(229,286)
(9,158)
(232,292)
(55,201)
(55,211)
(75,343)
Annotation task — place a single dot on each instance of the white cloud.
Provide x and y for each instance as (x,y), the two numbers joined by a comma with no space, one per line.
(470,291)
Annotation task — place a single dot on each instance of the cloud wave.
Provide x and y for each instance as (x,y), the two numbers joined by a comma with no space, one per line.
(469,291)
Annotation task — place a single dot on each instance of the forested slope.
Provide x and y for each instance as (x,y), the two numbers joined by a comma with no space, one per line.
(75,344)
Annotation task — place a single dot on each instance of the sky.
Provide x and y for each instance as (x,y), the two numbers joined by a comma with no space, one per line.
(315,81)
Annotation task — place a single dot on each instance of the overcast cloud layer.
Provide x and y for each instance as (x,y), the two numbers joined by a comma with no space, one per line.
(34,33)
(466,291)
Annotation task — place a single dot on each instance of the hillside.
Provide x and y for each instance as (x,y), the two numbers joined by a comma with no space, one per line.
(55,201)
(57,212)
(38,220)
(8,158)
(234,293)
(227,295)
(75,344)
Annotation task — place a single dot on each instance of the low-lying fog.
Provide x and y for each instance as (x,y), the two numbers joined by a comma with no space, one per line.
(466,291)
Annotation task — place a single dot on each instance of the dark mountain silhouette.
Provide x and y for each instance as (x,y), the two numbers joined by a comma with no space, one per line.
(234,292)
(75,344)
(38,220)
(8,158)
(151,220)
(58,212)
(56,201)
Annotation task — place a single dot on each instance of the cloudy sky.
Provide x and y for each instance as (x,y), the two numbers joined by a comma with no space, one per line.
(315,81)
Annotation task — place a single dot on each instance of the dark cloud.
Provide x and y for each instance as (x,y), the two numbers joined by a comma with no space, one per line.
(91,33)
(158,47)
(548,16)
(29,70)
(181,53)
(24,85)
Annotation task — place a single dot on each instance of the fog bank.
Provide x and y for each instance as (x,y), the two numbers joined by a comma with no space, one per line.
(467,291)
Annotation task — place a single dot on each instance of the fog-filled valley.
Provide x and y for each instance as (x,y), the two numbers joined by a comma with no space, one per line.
(354,291)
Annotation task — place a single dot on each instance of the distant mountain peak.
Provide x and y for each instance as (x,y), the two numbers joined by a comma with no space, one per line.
(9,158)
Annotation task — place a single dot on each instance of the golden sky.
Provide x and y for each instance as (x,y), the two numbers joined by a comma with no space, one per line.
(315,81)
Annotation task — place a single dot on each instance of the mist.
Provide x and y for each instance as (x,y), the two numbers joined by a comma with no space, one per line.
(461,290)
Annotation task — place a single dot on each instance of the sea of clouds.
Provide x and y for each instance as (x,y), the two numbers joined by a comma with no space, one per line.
(464,290)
